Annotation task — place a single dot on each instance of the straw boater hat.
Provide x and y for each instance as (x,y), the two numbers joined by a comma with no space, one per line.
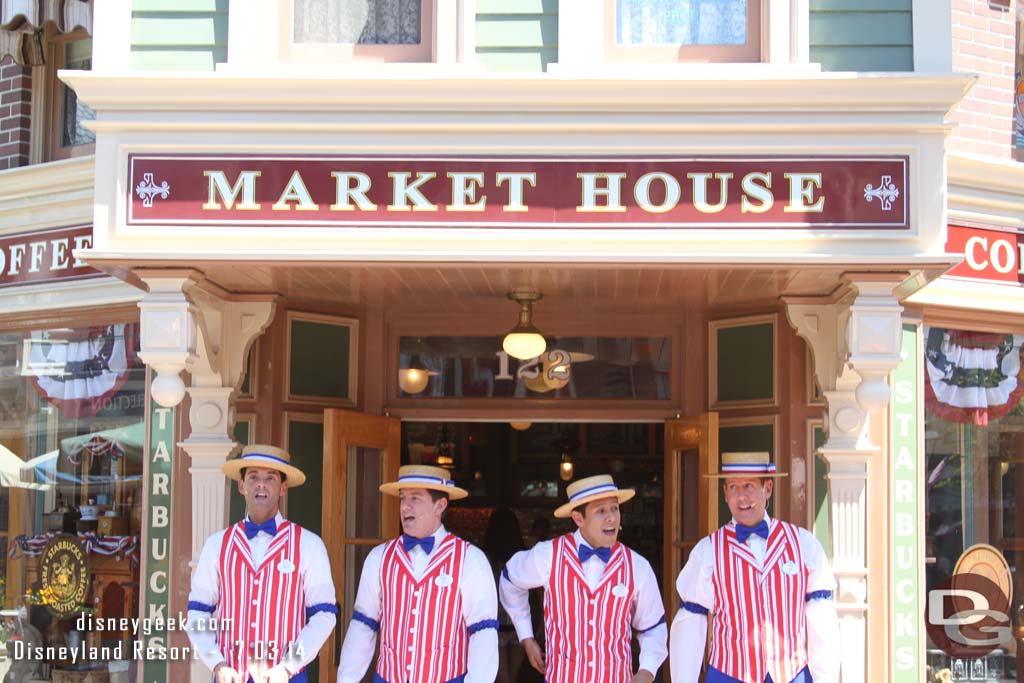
(748,465)
(592,488)
(424,477)
(270,457)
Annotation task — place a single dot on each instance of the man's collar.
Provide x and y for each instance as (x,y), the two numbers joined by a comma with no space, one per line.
(278,518)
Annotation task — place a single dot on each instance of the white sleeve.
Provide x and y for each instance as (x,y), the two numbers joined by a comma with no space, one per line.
(649,616)
(480,611)
(525,570)
(822,621)
(318,587)
(690,625)
(361,637)
(203,601)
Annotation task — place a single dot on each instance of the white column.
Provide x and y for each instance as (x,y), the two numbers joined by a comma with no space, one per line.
(855,342)
(187,323)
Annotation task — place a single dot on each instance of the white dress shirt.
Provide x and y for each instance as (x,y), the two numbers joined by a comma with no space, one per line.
(317,585)
(532,569)
(479,603)
(695,584)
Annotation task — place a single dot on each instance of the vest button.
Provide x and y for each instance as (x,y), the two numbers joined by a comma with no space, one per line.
(415,611)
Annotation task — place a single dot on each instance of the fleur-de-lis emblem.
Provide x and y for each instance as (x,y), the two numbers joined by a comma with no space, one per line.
(147,189)
(885,193)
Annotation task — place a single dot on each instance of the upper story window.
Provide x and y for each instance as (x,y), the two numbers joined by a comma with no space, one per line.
(682,30)
(364,30)
(1018,90)
(68,135)
(42,38)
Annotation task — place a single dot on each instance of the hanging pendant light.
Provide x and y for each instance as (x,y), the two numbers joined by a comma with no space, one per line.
(524,341)
(414,378)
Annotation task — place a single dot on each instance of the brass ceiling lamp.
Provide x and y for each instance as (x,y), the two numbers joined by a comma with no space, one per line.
(524,341)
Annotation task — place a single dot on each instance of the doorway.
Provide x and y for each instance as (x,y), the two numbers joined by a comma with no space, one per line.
(521,469)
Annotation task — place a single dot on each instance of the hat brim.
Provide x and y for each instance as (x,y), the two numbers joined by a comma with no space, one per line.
(565,511)
(393,487)
(747,475)
(233,469)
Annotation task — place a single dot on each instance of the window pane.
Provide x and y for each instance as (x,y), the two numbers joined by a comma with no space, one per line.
(72,432)
(358,22)
(675,22)
(77,55)
(974,459)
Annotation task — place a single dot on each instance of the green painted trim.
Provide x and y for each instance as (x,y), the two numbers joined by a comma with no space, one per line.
(186,31)
(517,7)
(864,58)
(172,59)
(861,29)
(861,6)
(536,31)
(177,6)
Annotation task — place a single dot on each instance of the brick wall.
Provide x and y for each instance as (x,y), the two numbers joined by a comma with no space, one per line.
(983,43)
(15,105)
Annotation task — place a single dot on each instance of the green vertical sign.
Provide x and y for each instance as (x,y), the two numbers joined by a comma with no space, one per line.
(157,539)
(906,494)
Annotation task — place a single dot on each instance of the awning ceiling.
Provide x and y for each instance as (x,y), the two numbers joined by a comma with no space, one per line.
(23,21)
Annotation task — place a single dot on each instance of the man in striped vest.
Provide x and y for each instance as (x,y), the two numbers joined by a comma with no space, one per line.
(767,585)
(428,593)
(265,582)
(597,593)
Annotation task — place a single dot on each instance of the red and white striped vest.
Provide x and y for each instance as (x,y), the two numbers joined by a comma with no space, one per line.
(423,635)
(588,633)
(759,622)
(265,605)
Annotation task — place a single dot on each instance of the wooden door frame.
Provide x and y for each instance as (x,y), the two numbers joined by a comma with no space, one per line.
(699,432)
(344,428)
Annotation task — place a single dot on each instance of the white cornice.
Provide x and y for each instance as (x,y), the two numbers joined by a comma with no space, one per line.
(850,94)
(47,195)
(985,190)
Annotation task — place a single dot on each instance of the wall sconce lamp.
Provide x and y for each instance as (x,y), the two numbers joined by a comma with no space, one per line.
(524,341)
(520,426)
(414,378)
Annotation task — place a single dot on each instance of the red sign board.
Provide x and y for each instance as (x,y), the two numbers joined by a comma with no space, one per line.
(31,258)
(988,254)
(520,192)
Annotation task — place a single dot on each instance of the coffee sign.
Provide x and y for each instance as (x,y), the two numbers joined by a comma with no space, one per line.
(988,254)
(43,256)
(520,192)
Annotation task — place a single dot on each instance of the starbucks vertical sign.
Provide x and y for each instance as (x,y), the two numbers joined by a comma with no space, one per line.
(906,475)
(156,579)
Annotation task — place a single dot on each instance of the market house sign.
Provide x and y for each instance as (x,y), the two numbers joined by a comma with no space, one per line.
(42,256)
(519,192)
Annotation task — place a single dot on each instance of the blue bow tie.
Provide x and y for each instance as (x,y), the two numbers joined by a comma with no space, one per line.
(586,552)
(410,542)
(251,528)
(744,532)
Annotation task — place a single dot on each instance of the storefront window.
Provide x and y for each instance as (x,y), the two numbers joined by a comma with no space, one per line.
(974,445)
(72,405)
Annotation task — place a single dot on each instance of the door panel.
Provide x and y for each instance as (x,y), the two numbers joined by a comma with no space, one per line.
(361,452)
(691,510)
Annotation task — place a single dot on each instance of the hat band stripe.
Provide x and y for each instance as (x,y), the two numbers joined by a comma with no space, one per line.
(260,456)
(426,479)
(751,467)
(611,488)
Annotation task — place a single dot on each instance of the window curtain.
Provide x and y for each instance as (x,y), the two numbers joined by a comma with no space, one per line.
(357,22)
(22,23)
(672,22)
(972,377)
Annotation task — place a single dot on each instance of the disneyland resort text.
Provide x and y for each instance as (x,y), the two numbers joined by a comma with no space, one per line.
(150,646)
